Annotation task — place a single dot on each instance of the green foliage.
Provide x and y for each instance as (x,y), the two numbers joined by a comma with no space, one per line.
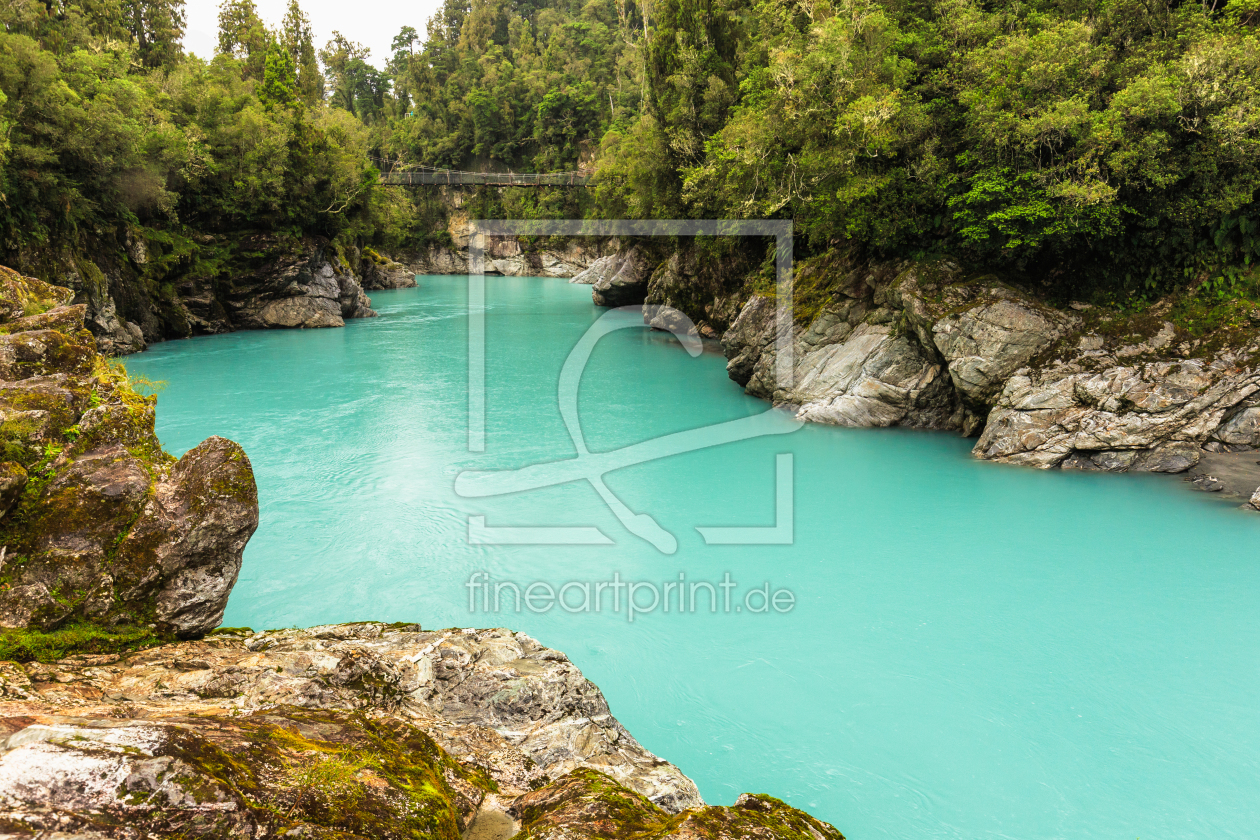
(137,382)
(279,87)
(1111,145)
(25,645)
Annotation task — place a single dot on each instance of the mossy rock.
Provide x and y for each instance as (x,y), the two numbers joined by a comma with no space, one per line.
(22,296)
(587,805)
(283,772)
(40,352)
(13,478)
(64,319)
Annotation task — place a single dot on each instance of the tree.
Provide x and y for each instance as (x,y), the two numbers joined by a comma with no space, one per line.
(298,39)
(157,27)
(280,82)
(243,36)
(357,86)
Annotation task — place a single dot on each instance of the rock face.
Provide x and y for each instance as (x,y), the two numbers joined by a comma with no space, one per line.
(362,730)
(623,282)
(704,290)
(301,286)
(380,272)
(1116,416)
(99,524)
(217,284)
(925,345)
(855,364)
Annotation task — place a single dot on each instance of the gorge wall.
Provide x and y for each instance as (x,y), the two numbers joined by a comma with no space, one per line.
(929,345)
(152,292)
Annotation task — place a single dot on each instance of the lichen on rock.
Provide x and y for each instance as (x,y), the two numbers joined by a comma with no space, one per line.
(97,523)
(351,731)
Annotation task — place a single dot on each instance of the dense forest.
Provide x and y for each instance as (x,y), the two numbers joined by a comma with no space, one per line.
(1099,147)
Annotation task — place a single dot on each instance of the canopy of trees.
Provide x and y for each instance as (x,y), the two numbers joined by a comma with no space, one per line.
(1087,143)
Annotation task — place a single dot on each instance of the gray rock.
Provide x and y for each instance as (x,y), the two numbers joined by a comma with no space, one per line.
(382,272)
(494,724)
(1207,483)
(847,372)
(601,269)
(627,284)
(294,285)
(873,377)
(1044,416)
(1240,428)
(13,480)
(1107,461)
(1254,501)
(1171,458)
(748,339)
(117,531)
(184,552)
(984,345)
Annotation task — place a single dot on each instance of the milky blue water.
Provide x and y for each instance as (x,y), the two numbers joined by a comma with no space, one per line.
(975,651)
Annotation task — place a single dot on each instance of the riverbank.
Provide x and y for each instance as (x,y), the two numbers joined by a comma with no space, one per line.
(958,615)
(367,730)
(931,345)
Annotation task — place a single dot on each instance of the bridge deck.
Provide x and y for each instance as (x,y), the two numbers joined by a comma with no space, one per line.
(427,177)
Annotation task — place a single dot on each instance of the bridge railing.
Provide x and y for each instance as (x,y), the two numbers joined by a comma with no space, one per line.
(454,177)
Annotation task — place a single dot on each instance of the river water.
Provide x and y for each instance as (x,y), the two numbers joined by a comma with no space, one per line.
(972,650)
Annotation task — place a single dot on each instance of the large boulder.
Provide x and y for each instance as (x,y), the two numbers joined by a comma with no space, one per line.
(872,377)
(852,367)
(623,282)
(183,553)
(988,342)
(1240,428)
(288,284)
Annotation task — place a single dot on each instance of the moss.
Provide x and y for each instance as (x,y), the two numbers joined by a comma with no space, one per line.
(16,440)
(27,645)
(587,804)
(344,772)
(24,296)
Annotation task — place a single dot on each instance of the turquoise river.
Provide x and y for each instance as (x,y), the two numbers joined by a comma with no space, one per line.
(975,651)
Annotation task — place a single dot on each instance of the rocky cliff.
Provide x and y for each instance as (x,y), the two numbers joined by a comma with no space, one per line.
(931,345)
(97,523)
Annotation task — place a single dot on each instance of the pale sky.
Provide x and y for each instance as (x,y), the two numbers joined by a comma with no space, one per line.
(374,23)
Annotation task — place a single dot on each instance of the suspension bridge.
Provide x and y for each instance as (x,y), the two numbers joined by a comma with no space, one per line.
(418,176)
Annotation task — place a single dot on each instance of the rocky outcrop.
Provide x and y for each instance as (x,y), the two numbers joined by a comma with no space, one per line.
(623,282)
(850,369)
(380,272)
(99,524)
(300,284)
(361,730)
(506,256)
(924,345)
(1113,417)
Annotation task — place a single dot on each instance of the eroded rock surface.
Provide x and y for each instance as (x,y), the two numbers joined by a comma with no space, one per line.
(302,285)
(1114,415)
(923,345)
(623,282)
(99,523)
(370,730)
